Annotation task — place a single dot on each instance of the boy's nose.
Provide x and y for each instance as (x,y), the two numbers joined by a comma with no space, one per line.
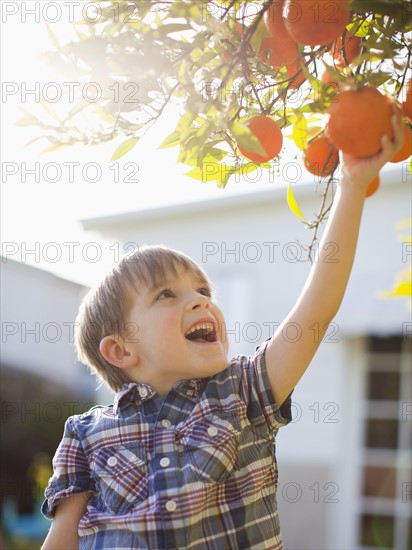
(198,300)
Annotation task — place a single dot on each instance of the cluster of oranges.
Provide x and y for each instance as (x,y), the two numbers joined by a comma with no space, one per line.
(359,116)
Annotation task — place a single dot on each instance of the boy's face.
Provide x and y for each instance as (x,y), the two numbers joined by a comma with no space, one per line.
(180,332)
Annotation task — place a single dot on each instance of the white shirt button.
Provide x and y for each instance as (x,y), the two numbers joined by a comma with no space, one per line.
(212,431)
(143,392)
(164,462)
(166,423)
(112,461)
(171,505)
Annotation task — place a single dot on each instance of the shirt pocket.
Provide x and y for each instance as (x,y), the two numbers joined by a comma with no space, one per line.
(121,476)
(211,447)
(257,473)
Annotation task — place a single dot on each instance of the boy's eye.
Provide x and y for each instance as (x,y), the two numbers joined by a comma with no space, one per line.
(166,293)
(205,291)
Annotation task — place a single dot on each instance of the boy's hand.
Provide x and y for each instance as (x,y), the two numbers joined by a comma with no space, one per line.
(361,171)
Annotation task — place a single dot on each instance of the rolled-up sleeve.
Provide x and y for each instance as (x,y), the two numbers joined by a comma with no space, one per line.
(71,472)
(258,393)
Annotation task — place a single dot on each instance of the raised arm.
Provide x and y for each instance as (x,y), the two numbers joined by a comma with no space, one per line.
(63,534)
(323,292)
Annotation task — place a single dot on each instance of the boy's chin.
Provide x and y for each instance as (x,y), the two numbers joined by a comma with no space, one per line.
(220,365)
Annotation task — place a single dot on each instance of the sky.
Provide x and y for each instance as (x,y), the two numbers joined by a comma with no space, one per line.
(45,195)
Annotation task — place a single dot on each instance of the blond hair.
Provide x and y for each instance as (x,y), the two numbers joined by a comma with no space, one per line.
(104,309)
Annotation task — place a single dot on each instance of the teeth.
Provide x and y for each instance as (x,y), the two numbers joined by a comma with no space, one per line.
(209,327)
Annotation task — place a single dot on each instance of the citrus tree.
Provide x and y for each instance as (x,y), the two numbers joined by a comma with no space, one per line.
(245,76)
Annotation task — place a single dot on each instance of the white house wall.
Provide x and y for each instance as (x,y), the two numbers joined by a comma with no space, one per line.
(38,313)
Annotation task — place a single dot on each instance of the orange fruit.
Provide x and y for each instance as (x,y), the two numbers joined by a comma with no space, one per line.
(320,156)
(268,134)
(345,48)
(278,53)
(358,120)
(274,22)
(407,103)
(316,23)
(406,149)
(296,74)
(373,186)
(326,77)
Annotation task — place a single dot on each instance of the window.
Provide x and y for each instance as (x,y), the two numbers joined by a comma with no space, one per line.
(386,482)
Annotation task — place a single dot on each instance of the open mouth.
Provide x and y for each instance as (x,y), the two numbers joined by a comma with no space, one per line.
(202,333)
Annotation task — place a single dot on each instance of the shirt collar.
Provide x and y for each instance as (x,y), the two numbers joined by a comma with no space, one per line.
(139,392)
(131,391)
(192,389)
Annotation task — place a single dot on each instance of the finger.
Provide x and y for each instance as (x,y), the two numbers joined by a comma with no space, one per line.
(387,146)
(396,111)
(391,147)
(397,125)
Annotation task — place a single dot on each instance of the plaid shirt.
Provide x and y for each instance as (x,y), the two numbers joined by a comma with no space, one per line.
(197,471)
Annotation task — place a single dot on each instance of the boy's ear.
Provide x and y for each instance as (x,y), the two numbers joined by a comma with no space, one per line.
(113,349)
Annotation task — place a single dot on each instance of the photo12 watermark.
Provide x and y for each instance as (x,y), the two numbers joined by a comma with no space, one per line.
(68,11)
(70,252)
(53,332)
(268,252)
(69,172)
(71,92)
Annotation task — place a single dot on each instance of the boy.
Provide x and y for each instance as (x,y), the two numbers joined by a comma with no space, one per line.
(184,458)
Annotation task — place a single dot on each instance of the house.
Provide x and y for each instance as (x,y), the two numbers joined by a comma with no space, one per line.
(41,385)
(38,319)
(345,479)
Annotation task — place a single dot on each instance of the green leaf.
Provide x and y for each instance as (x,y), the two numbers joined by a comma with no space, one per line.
(80,35)
(359,27)
(28,120)
(259,33)
(195,173)
(52,37)
(212,171)
(172,140)
(77,109)
(293,205)
(107,117)
(33,140)
(220,174)
(185,122)
(402,287)
(314,131)
(300,132)
(213,153)
(183,74)
(173,27)
(224,175)
(196,54)
(379,78)
(124,148)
